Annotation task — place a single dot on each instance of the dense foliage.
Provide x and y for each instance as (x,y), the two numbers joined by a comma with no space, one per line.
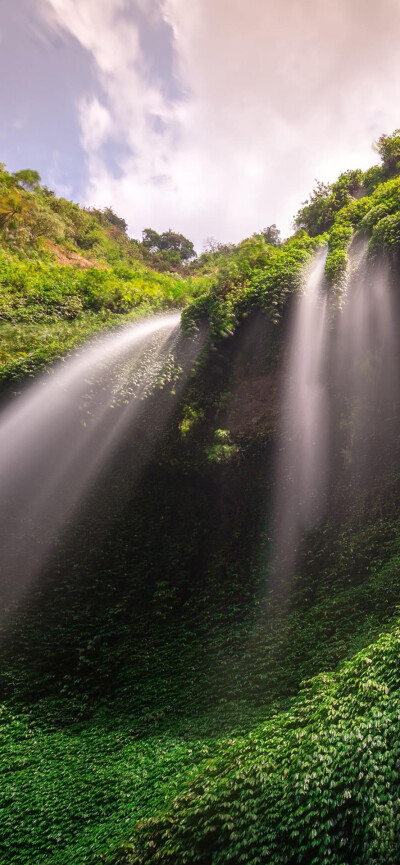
(172,248)
(164,700)
(47,308)
(254,275)
(316,784)
(66,272)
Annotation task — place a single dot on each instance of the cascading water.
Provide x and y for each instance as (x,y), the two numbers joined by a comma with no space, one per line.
(303,458)
(364,366)
(340,401)
(57,436)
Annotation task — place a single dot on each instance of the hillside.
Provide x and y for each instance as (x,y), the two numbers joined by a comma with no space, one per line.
(206,668)
(67,272)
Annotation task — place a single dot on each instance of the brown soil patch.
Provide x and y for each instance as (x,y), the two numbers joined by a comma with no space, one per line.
(72,259)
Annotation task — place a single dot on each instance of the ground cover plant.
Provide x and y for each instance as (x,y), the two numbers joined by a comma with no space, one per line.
(163,699)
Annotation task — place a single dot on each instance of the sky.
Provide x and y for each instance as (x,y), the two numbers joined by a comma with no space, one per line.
(210,117)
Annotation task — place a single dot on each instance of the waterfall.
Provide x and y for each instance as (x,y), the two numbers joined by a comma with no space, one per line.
(340,401)
(56,437)
(304,435)
(365,372)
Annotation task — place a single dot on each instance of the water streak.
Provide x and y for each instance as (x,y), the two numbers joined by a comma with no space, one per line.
(365,373)
(304,438)
(340,402)
(57,436)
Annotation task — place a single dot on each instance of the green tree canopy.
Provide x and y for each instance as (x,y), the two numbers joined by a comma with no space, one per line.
(168,241)
(112,219)
(271,235)
(388,147)
(151,239)
(318,213)
(28,178)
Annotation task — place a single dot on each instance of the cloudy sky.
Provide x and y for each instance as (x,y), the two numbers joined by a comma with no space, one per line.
(212,117)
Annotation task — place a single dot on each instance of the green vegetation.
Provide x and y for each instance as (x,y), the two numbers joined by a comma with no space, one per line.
(253,275)
(357,204)
(158,741)
(172,248)
(46,308)
(317,783)
(66,273)
(164,700)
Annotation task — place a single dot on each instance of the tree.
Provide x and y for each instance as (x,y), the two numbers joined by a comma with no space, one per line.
(210,245)
(43,223)
(171,240)
(28,179)
(107,217)
(271,235)
(47,193)
(112,219)
(168,241)
(318,213)
(13,207)
(388,147)
(151,239)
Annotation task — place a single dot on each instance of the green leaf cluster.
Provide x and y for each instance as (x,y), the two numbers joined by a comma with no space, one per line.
(254,275)
(316,784)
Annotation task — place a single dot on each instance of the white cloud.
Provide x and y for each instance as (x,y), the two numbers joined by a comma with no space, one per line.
(96,124)
(278,94)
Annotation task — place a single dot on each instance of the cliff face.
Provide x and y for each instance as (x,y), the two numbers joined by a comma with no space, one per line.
(158,652)
(252,411)
(171,695)
(254,408)
(175,546)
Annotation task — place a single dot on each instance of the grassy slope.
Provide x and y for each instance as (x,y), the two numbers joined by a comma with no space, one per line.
(152,778)
(47,309)
(64,275)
